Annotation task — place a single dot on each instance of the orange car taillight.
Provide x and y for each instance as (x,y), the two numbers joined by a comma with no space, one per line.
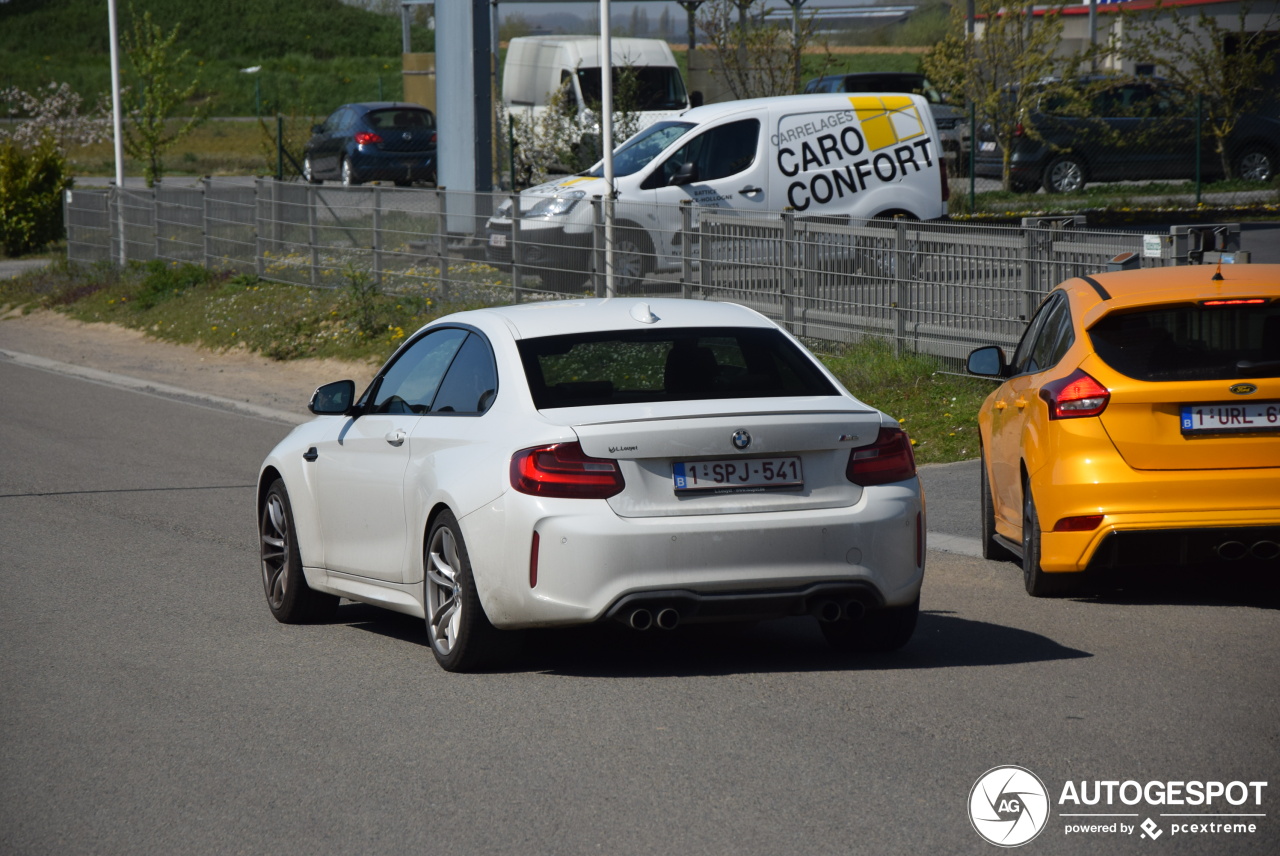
(1082,523)
(364,138)
(1075,395)
(564,470)
(889,459)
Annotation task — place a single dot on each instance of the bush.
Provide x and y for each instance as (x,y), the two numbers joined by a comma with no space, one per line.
(32,182)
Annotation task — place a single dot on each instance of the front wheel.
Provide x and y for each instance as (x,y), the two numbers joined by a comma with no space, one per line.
(632,258)
(289,597)
(462,638)
(1037,582)
(309,171)
(879,631)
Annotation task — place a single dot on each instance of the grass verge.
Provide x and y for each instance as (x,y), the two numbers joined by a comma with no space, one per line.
(188,304)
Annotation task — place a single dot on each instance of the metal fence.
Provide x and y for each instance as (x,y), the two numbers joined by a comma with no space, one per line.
(939,288)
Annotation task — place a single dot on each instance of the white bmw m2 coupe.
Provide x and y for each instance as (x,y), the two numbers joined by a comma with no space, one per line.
(650,462)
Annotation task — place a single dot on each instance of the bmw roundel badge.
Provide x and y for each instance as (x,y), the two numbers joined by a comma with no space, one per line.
(741,440)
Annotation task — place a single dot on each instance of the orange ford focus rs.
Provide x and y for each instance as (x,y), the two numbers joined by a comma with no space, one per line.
(1137,424)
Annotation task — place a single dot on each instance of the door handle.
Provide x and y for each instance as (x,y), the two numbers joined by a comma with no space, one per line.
(396,437)
(1020,403)
(751,191)
(1000,405)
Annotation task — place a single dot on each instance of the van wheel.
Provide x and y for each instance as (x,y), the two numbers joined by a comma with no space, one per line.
(632,258)
(1255,163)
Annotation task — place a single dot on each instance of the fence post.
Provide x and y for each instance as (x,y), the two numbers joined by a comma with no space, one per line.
(705,257)
(442,244)
(155,221)
(377,236)
(686,248)
(597,245)
(204,223)
(517,271)
(899,271)
(1030,282)
(313,234)
(788,258)
(259,242)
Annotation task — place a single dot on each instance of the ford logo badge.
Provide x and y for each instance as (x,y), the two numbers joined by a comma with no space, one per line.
(1243,388)
(741,440)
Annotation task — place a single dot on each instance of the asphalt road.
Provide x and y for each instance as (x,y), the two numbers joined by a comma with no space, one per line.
(150,705)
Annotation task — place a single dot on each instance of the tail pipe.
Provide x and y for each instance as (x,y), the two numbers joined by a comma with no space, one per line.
(1230,551)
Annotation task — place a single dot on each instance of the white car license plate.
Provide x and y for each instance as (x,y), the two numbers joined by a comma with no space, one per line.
(1231,418)
(497,239)
(739,474)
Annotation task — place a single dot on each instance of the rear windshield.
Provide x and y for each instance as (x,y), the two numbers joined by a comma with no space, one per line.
(1192,341)
(401,119)
(617,367)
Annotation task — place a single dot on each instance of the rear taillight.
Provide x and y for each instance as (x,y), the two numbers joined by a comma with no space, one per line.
(1075,395)
(889,459)
(1082,523)
(564,470)
(364,138)
(1019,130)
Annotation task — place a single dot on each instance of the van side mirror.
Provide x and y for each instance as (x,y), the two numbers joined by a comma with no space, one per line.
(333,399)
(987,362)
(695,98)
(686,174)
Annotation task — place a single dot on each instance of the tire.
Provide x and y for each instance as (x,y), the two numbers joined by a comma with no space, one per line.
(349,175)
(879,631)
(1064,174)
(309,172)
(289,597)
(632,258)
(462,638)
(1255,163)
(991,550)
(1039,583)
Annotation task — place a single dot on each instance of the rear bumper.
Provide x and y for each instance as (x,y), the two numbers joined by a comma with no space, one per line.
(393,166)
(589,560)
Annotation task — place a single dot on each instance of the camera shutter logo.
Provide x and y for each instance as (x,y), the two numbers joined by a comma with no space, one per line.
(1008,806)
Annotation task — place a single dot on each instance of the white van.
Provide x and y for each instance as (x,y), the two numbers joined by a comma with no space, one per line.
(536,67)
(858,156)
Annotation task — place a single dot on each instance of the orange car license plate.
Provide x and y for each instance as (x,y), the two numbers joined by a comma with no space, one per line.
(1231,418)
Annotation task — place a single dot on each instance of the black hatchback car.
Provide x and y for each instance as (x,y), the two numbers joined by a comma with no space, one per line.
(374,141)
(1136,130)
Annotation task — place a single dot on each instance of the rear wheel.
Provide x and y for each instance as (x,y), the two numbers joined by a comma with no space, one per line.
(990,549)
(462,638)
(348,174)
(1255,163)
(880,630)
(1039,583)
(289,597)
(1064,174)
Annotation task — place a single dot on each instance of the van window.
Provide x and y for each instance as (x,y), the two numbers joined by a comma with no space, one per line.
(638,151)
(717,153)
(657,88)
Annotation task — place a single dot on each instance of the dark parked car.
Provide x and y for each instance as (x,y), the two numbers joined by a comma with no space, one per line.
(952,127)
(1136,130)
(376,141)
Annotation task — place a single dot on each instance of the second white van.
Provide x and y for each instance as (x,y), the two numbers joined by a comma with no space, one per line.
(858,156)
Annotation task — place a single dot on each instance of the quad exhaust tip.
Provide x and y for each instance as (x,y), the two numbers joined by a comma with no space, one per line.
(1232,550)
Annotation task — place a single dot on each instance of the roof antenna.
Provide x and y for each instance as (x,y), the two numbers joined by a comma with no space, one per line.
(1217,275)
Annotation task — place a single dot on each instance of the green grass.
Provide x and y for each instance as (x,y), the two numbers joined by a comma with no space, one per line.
(187,304)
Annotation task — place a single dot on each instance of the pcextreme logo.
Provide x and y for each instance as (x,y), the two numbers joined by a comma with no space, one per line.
(1009,806)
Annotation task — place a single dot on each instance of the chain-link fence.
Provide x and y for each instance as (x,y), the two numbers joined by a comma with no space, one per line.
(938,288)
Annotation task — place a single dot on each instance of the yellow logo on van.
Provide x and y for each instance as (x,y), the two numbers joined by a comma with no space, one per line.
(888,120)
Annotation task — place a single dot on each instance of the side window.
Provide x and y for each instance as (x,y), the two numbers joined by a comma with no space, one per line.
(717,153)
(409,384)
(472,382)
(1053,339)
(1022,356)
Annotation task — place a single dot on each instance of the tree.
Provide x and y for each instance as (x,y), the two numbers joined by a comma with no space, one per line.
(1004,69)
(1225,67)
(755,58)
(155,94)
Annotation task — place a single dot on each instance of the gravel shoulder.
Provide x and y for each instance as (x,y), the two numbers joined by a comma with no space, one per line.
(236,375)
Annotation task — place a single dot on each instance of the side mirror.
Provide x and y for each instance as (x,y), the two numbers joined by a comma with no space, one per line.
(695,98)
(333,399)
(686,174)
(317,129)
(987,362)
